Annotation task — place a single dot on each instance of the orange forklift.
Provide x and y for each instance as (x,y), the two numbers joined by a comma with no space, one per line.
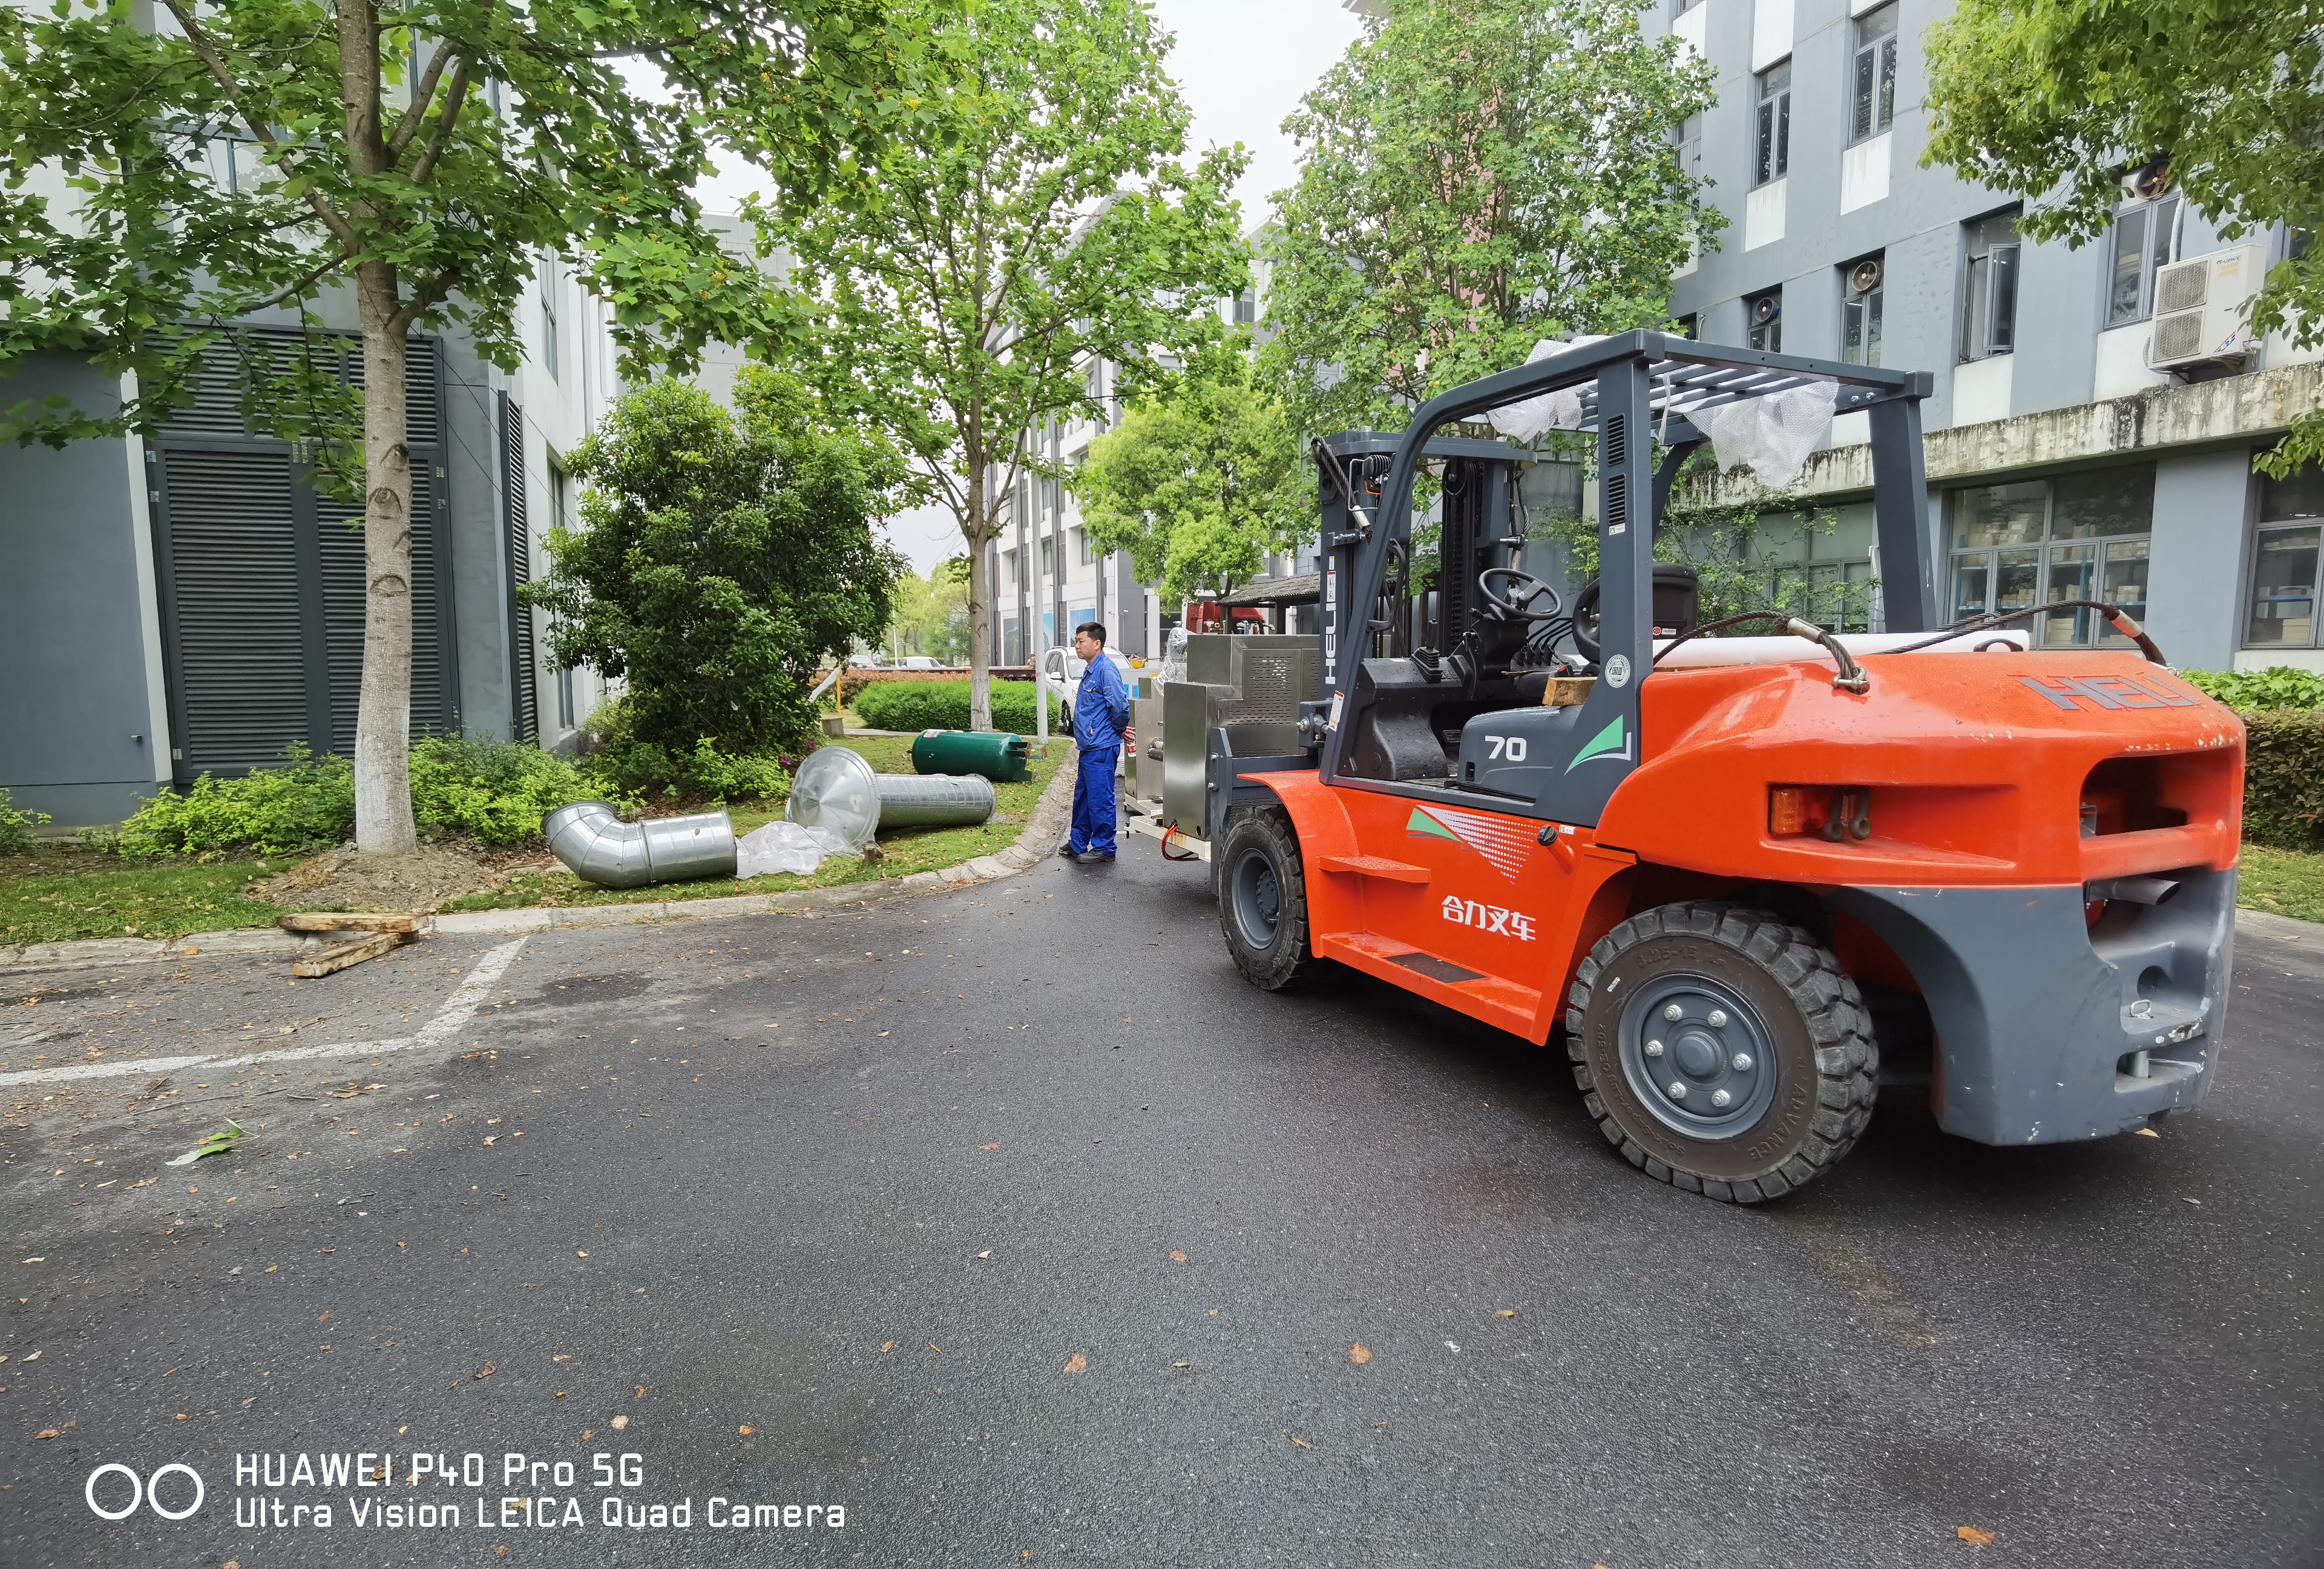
(1747,880)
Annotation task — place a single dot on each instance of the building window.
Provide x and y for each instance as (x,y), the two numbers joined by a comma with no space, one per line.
(1093,384)
(1773,159)
(1009,569)
(565,697)
(1873,107)
(1081,545)
(1048,557)
(1989,298)
(1690,147)
(2283,565)
(2080,536)
(2146,238)
(549,316)
(1246,307)
(1863,290)
(1763,321)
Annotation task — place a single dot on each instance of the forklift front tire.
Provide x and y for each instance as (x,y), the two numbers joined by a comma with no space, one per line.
(1721,1050)
(1263,897)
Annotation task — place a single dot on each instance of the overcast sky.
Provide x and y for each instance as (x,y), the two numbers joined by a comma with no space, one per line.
(1243,66)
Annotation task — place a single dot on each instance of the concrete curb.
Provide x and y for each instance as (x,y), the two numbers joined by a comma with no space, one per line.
(1045,829)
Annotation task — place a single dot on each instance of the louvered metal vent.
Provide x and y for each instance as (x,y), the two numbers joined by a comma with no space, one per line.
(240,640)
(524,680)
(1618,501)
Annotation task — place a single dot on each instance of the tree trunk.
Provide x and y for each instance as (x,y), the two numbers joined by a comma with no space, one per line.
(383,824)
(980,605)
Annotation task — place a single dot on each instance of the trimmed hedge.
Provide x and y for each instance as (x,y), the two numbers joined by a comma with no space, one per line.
(2284,777)
(943,705)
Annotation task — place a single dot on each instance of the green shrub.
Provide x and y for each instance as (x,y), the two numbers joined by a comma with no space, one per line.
(307,804)
(16,828)
(943,705)
(2280,686)
(623,763)
(494,790)
(2284,777)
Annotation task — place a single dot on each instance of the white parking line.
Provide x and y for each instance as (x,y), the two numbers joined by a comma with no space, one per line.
(441,1026)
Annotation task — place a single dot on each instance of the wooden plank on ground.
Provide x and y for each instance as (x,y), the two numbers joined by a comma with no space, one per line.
(328,920)
(333,959)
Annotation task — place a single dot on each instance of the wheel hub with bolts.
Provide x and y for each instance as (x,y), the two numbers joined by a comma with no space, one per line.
(1698,1057)
(1256,897)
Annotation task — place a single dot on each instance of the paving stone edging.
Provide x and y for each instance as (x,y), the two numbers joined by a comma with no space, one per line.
(1045,829)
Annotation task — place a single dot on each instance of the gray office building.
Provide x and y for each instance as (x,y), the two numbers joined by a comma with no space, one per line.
(2096,411)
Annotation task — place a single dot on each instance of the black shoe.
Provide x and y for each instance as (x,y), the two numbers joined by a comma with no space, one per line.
(1066,852)
(1094,858)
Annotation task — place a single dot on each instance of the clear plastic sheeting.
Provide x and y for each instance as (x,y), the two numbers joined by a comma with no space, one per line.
(1527,421)
(1772,435)
(784,845)
(835,789)
(1174,655)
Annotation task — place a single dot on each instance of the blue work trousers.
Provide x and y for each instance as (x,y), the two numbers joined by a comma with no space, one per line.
(1094,804)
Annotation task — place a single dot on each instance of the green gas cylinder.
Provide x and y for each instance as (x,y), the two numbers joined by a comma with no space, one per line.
(996,754)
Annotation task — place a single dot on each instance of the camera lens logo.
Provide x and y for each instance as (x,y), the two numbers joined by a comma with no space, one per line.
(143,1489)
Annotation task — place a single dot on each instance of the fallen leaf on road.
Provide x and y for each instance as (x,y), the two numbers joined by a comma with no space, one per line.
(988,1145)
(2196,1201)
(933,1346)
(746,1430)
(486,1371)
(42,1259)
(1178,1257)
(563,1356)
(641,1391)
(33,1357)
(1359,1354)
(1505,1313)
(888,1347)
(325,1316)
(272,1267)
(183,1418)
(217,1143)
(986,1254)
(2148,1133)
(1299,1441)
(46,1432)
(1076,1362)
(1181,1364)
(1973,1536)
(579,1254)
(560,1393)
(620,1423)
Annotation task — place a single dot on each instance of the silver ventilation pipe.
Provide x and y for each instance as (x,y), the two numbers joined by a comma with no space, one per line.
(596,847)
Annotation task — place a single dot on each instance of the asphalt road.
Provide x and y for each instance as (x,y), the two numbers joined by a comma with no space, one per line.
(886,1213)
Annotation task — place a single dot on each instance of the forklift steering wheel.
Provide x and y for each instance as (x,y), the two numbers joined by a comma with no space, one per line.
(1525,591)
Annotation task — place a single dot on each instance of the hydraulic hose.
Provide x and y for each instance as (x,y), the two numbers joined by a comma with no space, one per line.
(1851,677)
(2117,617)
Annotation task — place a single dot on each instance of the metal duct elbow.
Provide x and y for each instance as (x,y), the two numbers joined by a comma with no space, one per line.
(596,847)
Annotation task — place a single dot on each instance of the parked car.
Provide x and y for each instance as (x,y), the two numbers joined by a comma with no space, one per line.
(864,662)
(918,662)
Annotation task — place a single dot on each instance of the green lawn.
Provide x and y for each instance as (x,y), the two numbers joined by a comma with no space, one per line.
(64,891)
(2282,881)
(903,852)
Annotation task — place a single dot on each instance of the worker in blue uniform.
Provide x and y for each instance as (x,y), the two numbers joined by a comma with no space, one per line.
(1101,716)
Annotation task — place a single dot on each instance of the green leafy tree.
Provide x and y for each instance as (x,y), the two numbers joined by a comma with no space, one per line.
(721,558)
(2052,101)
(1034,216)
(932,613)
(167,170)
(1201,481)
(1475,175)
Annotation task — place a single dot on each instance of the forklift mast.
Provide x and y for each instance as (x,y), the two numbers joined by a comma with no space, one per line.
(1639,389)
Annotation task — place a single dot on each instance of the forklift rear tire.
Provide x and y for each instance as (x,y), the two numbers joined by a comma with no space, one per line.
(1721,1050)
(1263,897)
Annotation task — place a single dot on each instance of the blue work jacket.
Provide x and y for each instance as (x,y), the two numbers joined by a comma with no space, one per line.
(1101,707)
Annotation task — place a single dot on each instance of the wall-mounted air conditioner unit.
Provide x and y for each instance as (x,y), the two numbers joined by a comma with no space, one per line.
(2198,308)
